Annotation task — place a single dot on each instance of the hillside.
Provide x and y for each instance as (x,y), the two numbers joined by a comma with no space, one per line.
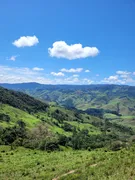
(119,98)
(23,163)
(21,115)
(21,100)
(47,141)
(112,102)
(19,106)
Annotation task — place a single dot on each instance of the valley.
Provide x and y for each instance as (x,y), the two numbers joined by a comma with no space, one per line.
(46,139)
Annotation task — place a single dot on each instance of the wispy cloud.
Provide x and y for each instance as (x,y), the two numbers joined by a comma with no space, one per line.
(61,49)
(38,69)
(12,58)
(87,71)
(57,74)
(25,74)
(75,75)
(18,75)
(123,72)
(72,70)
(36,74)
(26,41)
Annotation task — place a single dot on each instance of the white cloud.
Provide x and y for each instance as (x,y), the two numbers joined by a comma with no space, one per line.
(87,81)
(26,41)
(116,80)
(57,74)
(125,76)
(75,75)
(25,74)
(21,74)
(121,77)
(72,70)
(61,49)
(12,58)
(87,71)
(37,69)
(113,80)
(97,75)
(123,72)
(70,80)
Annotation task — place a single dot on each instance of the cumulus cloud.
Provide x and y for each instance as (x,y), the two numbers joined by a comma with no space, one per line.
(72,70)
(26,41)
(87,71)
(37,69)
(113,80)
(119,79)
(57,74)
(61,49)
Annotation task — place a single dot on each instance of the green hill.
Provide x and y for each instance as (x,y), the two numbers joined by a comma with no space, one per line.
(22,115)
(119,98)
(48,141)
(17,106)
(113,102)
(21,100)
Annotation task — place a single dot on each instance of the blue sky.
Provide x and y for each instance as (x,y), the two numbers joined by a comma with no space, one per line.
(67,41)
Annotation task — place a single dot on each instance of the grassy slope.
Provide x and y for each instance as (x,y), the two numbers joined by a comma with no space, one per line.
(97,96)
(31,121)
(86,125)
(124,120)
(29,164)
(17,114)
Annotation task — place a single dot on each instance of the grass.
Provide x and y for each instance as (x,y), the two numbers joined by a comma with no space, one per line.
(17,114)
(92,129)
(86,125)
(128,121)
(31,120)
(23,164)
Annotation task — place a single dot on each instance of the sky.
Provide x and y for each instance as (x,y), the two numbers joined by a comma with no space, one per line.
(67,41)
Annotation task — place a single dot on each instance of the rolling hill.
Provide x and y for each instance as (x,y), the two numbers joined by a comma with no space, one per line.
(112,102)
(120,98)
(17,108)
(47,141)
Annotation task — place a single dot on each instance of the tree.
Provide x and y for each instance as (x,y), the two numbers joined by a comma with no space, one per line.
(40,137)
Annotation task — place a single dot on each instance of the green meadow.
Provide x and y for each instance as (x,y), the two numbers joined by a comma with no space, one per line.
(27,164)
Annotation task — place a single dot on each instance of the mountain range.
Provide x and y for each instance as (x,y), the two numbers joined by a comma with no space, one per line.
(119,98)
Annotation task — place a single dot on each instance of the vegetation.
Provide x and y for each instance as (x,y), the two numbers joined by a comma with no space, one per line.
(72,141)
(21,101)
(116,102)
(118,98)
(23,163)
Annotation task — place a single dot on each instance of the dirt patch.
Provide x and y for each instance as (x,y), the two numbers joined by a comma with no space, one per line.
(70,172)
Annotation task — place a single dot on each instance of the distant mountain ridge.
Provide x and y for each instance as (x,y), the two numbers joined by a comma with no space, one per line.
(119,98)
